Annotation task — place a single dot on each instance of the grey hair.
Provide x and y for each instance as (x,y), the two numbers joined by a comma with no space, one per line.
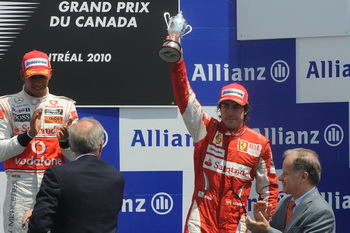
(307,160)
(86,138)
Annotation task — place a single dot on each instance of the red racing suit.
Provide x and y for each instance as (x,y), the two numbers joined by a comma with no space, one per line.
(225,164)
(25,159)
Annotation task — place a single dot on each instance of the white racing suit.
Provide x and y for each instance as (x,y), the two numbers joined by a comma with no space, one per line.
(25,159)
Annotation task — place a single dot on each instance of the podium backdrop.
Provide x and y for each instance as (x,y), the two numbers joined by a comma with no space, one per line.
(104,55)
(102,52)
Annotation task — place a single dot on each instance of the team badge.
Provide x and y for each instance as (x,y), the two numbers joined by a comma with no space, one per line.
(243,145)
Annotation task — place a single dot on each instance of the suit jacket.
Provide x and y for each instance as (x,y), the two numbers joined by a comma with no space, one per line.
(78,197)
(312,215)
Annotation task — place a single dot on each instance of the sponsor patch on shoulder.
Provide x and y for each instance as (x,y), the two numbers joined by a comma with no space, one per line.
(53,111)
(217,140)
(2,114)
(74,115)
(53,119)
(249,148)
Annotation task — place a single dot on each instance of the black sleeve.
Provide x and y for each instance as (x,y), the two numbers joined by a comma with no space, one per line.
(64,144)
(24,139)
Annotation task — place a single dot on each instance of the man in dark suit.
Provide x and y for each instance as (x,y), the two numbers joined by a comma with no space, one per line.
(81,196)
(311,213)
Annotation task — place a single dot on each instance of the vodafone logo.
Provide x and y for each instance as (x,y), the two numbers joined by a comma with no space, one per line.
(39,147)
(38,161)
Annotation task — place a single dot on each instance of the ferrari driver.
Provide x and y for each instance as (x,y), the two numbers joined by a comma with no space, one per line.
(228,156)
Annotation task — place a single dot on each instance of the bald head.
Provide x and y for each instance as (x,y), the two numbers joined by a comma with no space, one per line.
(86,136)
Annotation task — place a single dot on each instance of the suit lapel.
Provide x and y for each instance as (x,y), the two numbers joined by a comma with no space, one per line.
(280,214)
(301,208)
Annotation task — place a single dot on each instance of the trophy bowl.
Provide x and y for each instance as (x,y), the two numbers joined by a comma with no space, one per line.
(177,27)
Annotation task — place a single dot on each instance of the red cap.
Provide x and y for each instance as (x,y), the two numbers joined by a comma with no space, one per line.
(235,92)
(36,63)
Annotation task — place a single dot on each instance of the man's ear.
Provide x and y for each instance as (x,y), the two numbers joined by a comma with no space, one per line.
(22,75)
(100,149)
(305,176)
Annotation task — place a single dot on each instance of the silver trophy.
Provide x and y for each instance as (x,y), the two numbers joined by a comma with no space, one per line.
(177,28)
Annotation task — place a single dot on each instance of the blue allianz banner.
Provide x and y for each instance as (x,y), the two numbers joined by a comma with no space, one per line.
(298,90)
(152,202)
(215,58)
(109,118)
(306,125)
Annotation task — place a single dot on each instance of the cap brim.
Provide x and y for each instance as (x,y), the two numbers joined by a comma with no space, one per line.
(37,71)
(237,100)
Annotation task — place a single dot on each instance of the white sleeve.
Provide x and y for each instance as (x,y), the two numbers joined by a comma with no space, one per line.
(9,145)
(10,148)
(72,111)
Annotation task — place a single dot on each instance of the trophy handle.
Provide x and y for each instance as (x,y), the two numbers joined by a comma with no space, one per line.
(167,18)
(188,31)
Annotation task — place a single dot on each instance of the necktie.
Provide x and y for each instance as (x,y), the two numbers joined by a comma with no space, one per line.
(289,211)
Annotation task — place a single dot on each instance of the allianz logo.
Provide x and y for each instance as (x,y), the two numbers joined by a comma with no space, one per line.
(160,138)
(161,203)
(279,71)
(105,138)
(328,69)
(333,135)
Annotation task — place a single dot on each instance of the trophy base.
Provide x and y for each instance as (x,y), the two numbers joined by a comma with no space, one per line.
(170,51)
